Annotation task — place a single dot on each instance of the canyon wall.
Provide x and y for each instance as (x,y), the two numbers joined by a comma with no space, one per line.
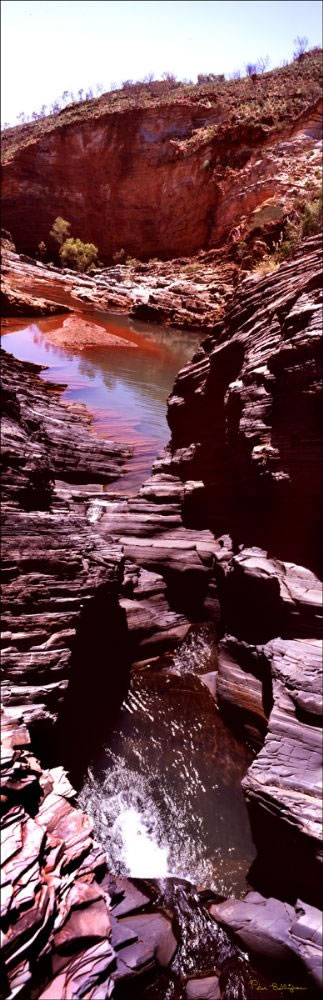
(230,519)
(60,581)
(245,420)
(225,530)
(164,177)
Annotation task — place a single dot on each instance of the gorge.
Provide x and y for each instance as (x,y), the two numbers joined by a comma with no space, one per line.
(161,609)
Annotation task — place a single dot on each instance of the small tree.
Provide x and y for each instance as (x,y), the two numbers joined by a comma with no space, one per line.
(300,46)
(251,69)
(42,250)
(60,230)
(169,77)
(263,64)
(77,255)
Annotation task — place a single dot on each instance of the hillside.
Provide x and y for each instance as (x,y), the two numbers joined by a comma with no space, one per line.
(168,169)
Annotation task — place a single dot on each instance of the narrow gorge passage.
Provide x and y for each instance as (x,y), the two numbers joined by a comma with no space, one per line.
(164,790)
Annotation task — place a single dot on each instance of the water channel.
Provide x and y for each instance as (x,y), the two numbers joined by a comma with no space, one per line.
(165,790)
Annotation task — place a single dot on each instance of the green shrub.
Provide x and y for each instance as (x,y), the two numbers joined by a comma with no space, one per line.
(307,223)
(312,217)
(77,255)
(60,230)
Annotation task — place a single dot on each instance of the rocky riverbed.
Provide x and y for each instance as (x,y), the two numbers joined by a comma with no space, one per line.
(224,531)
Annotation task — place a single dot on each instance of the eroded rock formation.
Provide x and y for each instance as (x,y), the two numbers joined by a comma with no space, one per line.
(275,929)
(226,529)
(202,161)
(244,459)
(181,293)
(57,573)
(69,928)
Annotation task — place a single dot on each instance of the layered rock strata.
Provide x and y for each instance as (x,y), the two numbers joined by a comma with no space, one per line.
(187,149)
(245,459)
(214,533)
(245,425)
(58,575)
(69,929)
(181,293)
(276,930)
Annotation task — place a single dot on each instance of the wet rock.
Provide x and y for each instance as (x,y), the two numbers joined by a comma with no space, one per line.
(283,785)
(210,681)
(155,931)
(244,686)
(126,897)
(45,910)
(206,988)
(276,929)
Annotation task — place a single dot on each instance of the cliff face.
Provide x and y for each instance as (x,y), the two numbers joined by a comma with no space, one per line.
(244,461)
(225,529)
(246,442)
(59,582)
(244,414)
(164,177)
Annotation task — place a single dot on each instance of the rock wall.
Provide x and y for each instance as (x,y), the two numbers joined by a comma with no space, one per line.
(158,181)
(218,532)
(60,581)
(244,461)
(246,430)
(244,415)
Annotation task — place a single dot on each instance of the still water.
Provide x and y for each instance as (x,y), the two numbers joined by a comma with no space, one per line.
(125,388)
(165,793)
(165,789)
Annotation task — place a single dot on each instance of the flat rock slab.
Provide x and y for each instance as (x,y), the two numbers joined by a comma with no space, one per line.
(156,931)
(79,334)
(131,898)
(203,989)
(275,929)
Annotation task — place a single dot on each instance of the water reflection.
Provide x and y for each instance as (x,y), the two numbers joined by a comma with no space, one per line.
(165,796)
(125,389)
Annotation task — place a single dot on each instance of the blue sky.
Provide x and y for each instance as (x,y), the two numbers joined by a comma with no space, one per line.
(52,46)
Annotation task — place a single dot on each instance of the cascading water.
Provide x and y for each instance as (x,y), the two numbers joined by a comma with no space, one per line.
(165,795)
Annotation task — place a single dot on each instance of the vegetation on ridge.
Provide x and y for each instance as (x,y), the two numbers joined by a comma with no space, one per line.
(281,93)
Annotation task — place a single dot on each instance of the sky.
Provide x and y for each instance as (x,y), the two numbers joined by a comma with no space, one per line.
(49,46)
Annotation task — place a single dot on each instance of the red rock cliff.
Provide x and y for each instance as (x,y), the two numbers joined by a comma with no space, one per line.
(163,175)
